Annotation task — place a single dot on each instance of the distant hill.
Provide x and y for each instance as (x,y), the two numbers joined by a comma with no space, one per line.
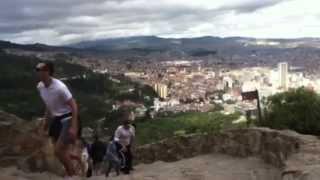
(190,44)
(229,50)
(187,46)
(33,47)
(150,44)
(238,50)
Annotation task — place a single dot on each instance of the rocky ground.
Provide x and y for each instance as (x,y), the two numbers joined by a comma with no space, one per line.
(289,155)
(206,167)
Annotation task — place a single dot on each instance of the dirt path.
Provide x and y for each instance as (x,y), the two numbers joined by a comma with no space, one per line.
(208,167)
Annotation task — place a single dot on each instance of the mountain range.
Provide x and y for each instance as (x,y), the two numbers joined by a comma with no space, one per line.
(206,42)
(155,43)
(229,49)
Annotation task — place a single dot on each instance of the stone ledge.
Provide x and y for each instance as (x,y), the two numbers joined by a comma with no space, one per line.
(295,154)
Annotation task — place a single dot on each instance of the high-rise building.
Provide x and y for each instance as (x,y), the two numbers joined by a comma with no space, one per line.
(199,68)
(161,90)
(283,75)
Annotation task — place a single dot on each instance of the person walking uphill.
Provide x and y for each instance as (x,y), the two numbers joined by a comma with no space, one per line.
(61,115)
(123,137)
(98,149)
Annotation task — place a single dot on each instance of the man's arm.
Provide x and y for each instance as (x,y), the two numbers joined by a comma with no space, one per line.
(44,124)
(66,96)
(133,134)
(117,136)
(46,119)
(74,121)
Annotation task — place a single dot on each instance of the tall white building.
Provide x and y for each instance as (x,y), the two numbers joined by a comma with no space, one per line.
(161,90)
(283,75)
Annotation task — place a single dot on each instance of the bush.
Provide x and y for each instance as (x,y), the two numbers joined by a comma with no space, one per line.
(95,93)
(297,109)
(183,123)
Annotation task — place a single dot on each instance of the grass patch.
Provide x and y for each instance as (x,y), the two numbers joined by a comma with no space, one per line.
(184,123)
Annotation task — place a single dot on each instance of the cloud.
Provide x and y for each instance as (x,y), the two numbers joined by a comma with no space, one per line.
(251,5)
(62,22)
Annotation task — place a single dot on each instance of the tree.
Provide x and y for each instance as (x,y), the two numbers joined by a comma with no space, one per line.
(297,109)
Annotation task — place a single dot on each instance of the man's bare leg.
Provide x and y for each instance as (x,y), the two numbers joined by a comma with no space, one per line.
(62,152)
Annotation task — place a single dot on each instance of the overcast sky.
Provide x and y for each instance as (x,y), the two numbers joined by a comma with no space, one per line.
(58,22)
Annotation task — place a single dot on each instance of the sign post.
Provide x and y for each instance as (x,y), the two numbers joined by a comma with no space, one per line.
(251,95)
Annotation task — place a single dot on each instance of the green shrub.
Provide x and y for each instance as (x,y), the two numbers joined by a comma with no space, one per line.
(95,93)
(183,123)
(297,109)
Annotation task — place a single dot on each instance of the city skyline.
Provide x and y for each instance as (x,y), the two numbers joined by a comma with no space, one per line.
(63,22)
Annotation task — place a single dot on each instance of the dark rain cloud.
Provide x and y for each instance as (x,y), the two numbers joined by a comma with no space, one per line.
(251,6)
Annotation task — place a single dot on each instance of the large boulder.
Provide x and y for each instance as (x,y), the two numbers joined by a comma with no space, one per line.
(42,160)
(22,146)
(298,156)
(11,131)
(7,127)
(272,146)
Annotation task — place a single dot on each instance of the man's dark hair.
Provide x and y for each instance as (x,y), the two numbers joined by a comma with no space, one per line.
(124,114)
(50,67)
(45,66)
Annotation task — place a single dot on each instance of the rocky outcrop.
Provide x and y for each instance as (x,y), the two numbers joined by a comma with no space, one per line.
(20,144)
(12,133)
(296,155)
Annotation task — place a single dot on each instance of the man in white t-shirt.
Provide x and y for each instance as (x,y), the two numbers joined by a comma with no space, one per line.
(61,116)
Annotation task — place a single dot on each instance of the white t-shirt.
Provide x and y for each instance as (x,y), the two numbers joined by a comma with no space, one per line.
(124,136)
(55,97)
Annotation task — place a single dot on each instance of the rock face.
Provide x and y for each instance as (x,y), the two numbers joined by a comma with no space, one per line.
(272,146)
(21,145)
(204,167)
(12,133)
(297,156)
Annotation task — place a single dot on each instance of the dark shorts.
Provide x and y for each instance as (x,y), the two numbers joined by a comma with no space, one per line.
(59,128)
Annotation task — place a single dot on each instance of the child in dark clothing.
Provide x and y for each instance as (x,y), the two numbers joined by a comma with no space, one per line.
(113,159)
(98,149)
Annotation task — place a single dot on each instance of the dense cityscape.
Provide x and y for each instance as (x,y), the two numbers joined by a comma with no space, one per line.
(199,86)
(188,86)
